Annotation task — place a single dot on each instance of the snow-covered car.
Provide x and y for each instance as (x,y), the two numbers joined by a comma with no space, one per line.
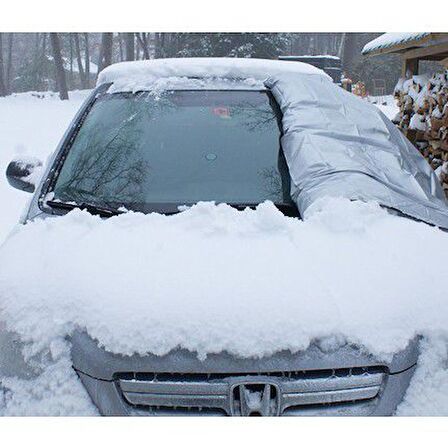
(161,136)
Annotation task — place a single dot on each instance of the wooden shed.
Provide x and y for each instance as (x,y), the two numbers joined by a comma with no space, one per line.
(422,100)
(413,47)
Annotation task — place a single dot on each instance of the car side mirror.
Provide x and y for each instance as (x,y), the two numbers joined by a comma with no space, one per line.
(24,173)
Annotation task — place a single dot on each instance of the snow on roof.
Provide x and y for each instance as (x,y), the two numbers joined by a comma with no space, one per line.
(140,74)
(387,40)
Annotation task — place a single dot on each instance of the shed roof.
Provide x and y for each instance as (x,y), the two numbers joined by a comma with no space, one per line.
(392,40)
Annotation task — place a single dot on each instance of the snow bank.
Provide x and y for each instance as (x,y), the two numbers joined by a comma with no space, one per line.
(31,125)
(140,75)
(385,104)
(428,391)
(56,392)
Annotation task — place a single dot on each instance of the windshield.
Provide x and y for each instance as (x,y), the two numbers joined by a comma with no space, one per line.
(152,152)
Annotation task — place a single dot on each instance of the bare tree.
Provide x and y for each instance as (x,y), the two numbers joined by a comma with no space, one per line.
(9,63)
(59,65)
(129,46)
(28,63)
(87,59)
(162,42)
(82,75)
(341,45)
(70,43)
(2,80)
(349,51)
(44,46)
(142,39)
(120,47)
(105,58)
(39,57)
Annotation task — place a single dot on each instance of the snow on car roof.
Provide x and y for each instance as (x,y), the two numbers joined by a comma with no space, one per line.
(387,40)
(309,56)
(140,75)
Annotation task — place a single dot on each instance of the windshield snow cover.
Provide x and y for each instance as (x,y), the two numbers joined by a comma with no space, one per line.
(214,279)
(338,145)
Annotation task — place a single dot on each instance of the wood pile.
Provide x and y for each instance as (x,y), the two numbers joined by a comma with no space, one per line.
(423,118)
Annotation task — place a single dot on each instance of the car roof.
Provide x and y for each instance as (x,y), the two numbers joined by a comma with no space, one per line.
(247,73)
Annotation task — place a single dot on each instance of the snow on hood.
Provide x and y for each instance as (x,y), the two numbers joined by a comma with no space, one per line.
(212,279)
(140,75)
(215,279)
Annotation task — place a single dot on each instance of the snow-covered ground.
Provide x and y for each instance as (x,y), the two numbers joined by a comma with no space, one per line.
(30,124)
(387,104)
(361,273)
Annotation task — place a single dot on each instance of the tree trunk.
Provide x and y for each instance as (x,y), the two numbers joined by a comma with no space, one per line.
(341,45)
(157,45)
(2,79)
(87,60)
(129,46)
(349,51)
(42,55)
(59,65)
(44,44)
(160,45)
(120,47)
(9,64)
(70,41)
(105,51)
(141,39)
(79,60)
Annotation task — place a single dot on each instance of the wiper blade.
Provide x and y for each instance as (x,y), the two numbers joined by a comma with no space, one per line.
(91,208)
(287,209)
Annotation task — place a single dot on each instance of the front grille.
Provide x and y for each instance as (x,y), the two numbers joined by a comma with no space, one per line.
(251,393)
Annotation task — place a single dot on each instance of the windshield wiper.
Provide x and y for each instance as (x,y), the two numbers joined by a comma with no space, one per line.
(286,209)
(91,208)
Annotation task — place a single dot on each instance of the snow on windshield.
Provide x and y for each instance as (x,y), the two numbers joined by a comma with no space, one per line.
(213,278)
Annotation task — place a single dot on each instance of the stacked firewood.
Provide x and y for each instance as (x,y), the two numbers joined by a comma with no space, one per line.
(423,118)
(442,172)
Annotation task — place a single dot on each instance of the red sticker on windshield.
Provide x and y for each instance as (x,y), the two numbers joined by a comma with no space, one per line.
(223,112)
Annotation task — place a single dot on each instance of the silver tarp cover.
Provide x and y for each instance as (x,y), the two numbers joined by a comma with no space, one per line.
(336,144)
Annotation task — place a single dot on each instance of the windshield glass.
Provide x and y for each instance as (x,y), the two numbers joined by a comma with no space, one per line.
(152,152)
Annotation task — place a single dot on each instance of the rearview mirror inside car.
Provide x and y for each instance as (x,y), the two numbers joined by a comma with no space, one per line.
(24,173)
